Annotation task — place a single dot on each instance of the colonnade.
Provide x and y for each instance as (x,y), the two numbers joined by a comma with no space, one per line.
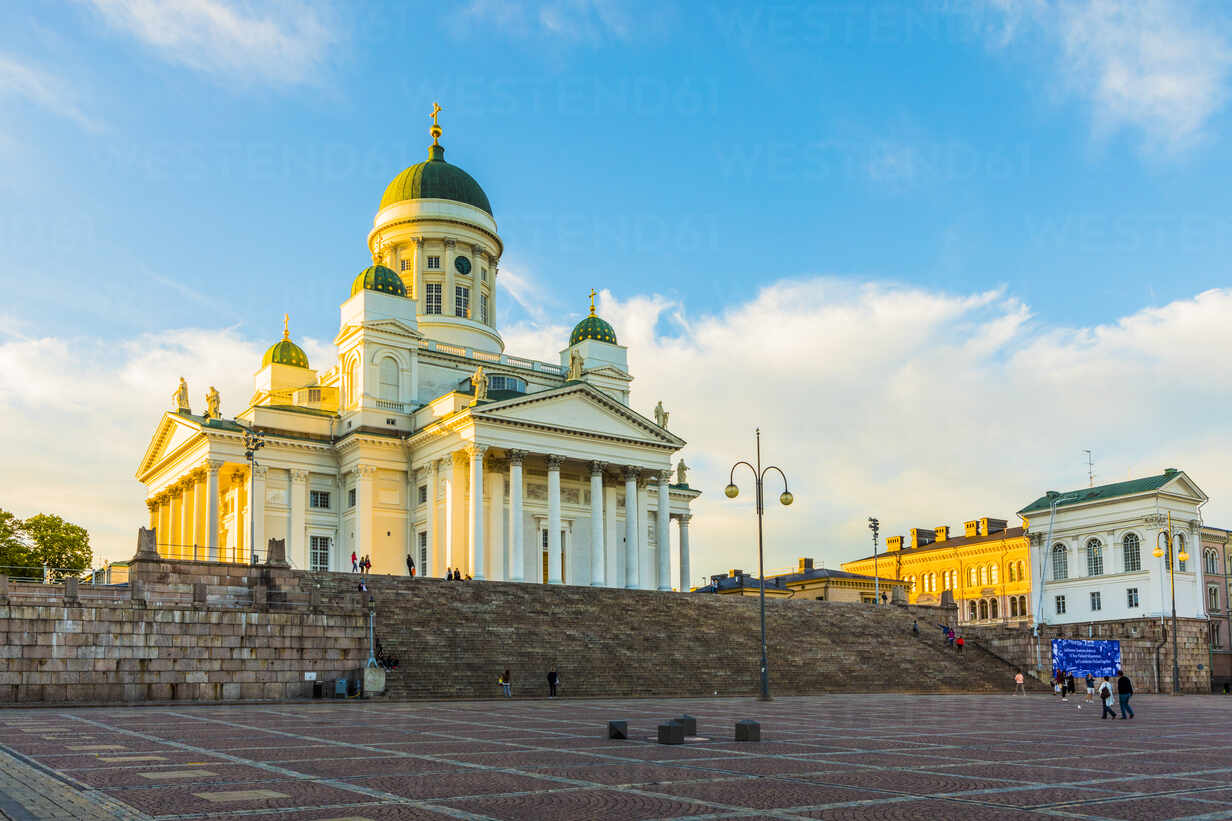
(186,514)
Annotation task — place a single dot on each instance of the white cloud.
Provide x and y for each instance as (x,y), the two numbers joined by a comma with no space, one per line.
(919,407)
(25,81)
(565,20)
(1159,67)
(279,43)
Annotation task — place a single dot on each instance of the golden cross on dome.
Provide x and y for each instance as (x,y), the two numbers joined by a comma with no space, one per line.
(592,301)
(286,322)
(435,130)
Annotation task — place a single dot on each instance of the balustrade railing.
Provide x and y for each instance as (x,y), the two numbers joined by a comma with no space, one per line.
(484,356)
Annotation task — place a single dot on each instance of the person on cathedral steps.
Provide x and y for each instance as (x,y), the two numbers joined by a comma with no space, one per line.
(410,566)
(354,562)
(958,644)
(449,572)
(553,682)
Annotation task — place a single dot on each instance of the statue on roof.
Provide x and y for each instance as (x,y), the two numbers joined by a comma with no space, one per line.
(212,403)
(660,415)
(179,399)
(575,366)
(681,473)
(479,381)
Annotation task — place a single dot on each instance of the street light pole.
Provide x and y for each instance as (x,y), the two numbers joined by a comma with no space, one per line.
(1181,556)
(253,442)
(785,498)
(875,526)
(371,641)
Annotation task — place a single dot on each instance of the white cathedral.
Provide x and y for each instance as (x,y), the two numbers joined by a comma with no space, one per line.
(423,438)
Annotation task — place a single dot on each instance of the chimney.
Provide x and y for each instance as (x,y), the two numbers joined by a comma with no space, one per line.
(894,543)
(943,532)
(990,526)
(921,536)
(972,527)
(806,565)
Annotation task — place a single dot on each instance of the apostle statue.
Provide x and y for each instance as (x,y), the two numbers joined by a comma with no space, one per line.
(212,402)
(575,366)
(660,415)
(179,399)
(480,383)
(681,469)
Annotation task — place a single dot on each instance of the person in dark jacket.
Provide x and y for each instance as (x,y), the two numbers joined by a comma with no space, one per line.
(1125,689)
(553,680)
(410,565)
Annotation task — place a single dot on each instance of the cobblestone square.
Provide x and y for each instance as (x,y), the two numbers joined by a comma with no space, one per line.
(882,756)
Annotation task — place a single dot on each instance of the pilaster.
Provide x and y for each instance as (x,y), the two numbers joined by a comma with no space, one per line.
(297,536)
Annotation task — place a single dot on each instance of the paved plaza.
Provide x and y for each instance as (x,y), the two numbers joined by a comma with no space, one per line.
(831,757)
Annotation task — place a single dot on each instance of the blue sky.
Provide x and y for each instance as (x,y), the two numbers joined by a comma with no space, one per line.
(1058,169)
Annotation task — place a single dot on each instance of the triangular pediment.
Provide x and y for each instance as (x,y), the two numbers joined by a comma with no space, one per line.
(390,326)
(1182,485)
(172,433)
(579,408)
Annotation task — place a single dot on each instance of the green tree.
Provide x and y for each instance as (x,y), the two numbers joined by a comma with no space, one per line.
(13,550)
(57,543)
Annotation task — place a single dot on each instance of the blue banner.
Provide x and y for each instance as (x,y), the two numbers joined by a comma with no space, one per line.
(1098,657)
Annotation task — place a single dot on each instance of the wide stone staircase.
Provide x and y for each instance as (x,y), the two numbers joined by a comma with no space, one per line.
(454,639)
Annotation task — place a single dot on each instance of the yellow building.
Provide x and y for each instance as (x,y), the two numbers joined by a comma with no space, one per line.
(805,582)
(987,569)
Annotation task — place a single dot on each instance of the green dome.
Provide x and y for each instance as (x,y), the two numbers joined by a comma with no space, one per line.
(592,327)
(378,278)
(436,179)
(285,352)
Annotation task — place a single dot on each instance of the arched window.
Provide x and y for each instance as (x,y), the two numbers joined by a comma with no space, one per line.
(1022,605)
(1022,576)
(1095,557)
(1180,548)
(971,578)
(992,608)
(389,379)
(1211,563)
(1212,598)
(993,574)
(973,614)
(351,372)
(983,610)
(1010,571)
(1131,552)
(932,582)
(984,574)
(1060,562)
(1013,607)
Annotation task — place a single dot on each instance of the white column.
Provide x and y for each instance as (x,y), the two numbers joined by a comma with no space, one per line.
(663,550)
(448,302)
(297,528)
(492,290)
(364,475)
(186,519)
(643,534)
(554,519)
(475,557)
(597,567)
(211,509)
(632,542)
(199,540)
(1198,557)
(163,536)
(451,481)
(496,554)
(419,276)
(430,568)
(256,509)
(516,518)
(684,552)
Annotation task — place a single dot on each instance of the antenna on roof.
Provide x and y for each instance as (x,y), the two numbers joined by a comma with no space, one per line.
(1090,468)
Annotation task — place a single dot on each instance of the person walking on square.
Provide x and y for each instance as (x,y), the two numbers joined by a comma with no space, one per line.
(354,562)
(1090,688)
(506,683)
(553,681)
(1105,697)
(1019,686)
(1058,685)
(1125,689)
(1069,682)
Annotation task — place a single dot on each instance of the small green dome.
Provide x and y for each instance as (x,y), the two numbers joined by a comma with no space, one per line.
(592,327)
(285,352)
(435,179)
(378,278)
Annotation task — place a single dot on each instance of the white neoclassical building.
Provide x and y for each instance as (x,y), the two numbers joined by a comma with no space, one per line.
(1092,550)
(424,437)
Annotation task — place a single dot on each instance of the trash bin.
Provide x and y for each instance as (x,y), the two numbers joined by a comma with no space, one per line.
(318,689)
(340,688)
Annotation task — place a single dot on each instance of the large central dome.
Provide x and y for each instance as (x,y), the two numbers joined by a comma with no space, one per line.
(435,179)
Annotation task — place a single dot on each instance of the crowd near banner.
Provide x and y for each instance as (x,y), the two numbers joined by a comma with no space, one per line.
(1081,656)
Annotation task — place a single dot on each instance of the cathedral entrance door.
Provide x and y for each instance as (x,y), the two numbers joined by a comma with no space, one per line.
(543,549)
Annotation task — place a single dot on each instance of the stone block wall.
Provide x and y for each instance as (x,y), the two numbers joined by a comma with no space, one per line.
(1146,649)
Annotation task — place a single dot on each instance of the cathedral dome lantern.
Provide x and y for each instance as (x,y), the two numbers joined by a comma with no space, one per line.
(284,351)
(378,278)
(593,327)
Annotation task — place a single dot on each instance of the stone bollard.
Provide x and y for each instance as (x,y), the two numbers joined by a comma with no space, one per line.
(898,596)
(748,731)
(618,729)
(671,733)
(690,724)
(199,594)
(314,598)
(70,590)
(136,591)
(4,589)
(147,543)
(276,553)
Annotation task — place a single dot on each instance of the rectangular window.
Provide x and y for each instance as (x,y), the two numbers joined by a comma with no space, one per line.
(1131,597)
(461,301)
(483,274)
(1060,605)
(318,553)
(405,265)
(483,308)
(1095,602)
(423,553)
(1216,634)
(1212,598)
(432,298)
(434,263)
(351,497)
(318,499)
(423,494)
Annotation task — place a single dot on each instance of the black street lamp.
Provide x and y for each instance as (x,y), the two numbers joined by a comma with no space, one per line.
(785,498)
(875,526)
(253,442)
(1182,556)
(371,640)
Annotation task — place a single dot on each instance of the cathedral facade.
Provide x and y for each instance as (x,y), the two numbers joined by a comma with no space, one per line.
(424,438)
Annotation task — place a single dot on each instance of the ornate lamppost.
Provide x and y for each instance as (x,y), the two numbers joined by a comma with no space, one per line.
(371,640)
(1182,556)
(785,498)
(253,442)
(875,526)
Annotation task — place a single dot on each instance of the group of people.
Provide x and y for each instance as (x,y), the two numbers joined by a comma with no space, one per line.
(506,682)
(952,639)
(360,565)
(1064,685)
(456,575)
